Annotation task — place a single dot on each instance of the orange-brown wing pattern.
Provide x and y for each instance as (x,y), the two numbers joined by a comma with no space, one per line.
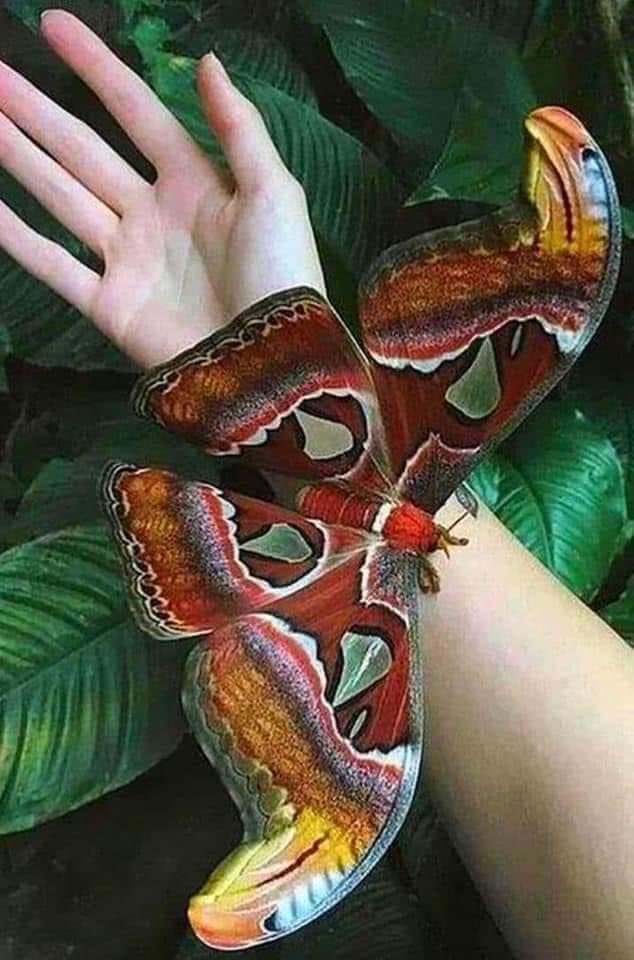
(470,326)
(196,556)
(312,714)
(284,385)
(305,693)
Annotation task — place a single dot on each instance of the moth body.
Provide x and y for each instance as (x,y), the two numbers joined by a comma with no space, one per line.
(402,525)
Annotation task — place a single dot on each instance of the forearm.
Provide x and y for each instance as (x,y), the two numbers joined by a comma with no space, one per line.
(530,746)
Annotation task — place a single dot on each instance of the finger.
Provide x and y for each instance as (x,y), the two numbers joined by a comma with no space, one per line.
(148,123)
(63,196)
(71,141)
(239,126)
(48,261)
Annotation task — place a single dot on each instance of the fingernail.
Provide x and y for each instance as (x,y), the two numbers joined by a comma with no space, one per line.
(44,14)
(218,65)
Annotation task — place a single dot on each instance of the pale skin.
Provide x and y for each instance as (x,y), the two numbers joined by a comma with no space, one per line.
(529,695)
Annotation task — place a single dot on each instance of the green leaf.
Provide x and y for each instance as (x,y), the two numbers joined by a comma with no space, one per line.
(65,491)
(522,22)
(251,54)
(87,702)
(384,51)
(150,35)
(620,614)
(481,159)
(609,407)
(28,11)
(341,285)
(559,487)
(351,195)
(442,84)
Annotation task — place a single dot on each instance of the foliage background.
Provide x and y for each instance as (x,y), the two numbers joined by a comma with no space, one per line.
(397,118)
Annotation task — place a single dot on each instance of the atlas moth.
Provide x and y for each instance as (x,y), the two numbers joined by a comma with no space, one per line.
(305,690)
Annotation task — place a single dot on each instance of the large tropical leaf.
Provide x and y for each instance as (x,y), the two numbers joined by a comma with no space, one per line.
(406,61)
(609,406)
(351,195)
(559,487)
(252,54)
(446,87)
(65,492)
(522,22)
(87,702)
(481,159)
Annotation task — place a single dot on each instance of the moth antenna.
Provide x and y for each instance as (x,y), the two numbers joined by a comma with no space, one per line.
(459,520)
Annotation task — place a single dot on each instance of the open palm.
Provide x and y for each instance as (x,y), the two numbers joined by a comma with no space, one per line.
(181,255)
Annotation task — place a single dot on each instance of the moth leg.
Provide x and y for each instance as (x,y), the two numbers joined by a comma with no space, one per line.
(428,578)
(447,539)
(427,574)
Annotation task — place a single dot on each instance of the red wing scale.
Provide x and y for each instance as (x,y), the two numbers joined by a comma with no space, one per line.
(284,385)
(196,556)
(470,326)
(308,714)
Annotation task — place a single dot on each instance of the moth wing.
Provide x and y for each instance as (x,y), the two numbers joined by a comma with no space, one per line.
(470,326)
(284,385)
(195,556)
(312,715)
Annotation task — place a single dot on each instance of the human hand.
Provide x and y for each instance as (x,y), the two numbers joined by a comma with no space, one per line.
(182,255)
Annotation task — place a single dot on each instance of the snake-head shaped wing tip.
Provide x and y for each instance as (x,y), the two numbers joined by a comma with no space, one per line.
(568,181)
(471,325)
(268,887)
(559,120)
(318,810)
